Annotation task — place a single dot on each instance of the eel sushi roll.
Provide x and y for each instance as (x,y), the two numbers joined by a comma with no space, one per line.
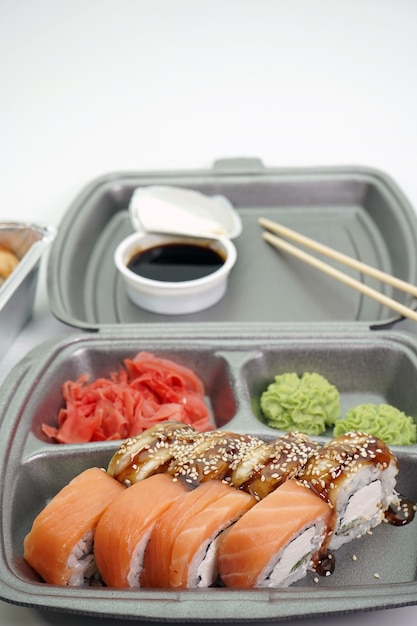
(124,529)
(277,541)
(59,546)
(265,467)
(182,550)
(150,452)
(356,474)
(211,456)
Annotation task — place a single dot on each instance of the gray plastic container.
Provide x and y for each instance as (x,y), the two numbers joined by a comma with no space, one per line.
(236,348)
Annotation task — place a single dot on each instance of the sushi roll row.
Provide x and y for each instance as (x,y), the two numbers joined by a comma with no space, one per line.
(167,531)
(244,461)
(162,533)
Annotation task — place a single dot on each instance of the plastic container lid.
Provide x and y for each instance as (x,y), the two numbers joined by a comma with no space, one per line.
(178,211)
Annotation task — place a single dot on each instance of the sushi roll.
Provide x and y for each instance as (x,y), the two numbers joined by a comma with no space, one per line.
(277,540)
(150,452)
(211,456)
(182,550)
(59,546)
(265,467)
(356,474)
(124,529)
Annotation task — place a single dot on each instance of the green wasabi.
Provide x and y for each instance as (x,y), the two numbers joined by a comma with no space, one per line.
(380,420)
(307,403)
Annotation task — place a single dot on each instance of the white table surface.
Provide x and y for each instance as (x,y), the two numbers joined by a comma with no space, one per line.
(89,87)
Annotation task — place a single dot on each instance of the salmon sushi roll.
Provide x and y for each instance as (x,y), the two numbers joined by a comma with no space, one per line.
(277,541)
(124,529)
(356,474)
(182,551)
(59,546)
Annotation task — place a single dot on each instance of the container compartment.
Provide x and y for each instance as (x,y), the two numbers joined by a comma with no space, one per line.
(391,552)
(372,373)
(100,359)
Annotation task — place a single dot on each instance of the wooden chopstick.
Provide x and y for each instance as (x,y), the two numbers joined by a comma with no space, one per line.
(277,242)
(284,231)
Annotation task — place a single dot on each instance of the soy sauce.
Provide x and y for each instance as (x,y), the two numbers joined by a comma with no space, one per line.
(176,262)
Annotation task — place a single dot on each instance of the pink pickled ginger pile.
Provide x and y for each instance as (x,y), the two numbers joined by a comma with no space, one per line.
(145,391)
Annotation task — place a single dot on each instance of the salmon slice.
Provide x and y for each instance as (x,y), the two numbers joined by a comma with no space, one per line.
(275,542)
(123,531)
(59,544)
(182,551)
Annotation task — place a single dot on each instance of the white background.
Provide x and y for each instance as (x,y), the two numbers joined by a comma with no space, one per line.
(89,87)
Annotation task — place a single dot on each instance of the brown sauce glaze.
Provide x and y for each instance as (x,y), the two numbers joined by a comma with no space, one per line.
(153,447)
(402,513)
(210,456)
(325,564)
(283,459)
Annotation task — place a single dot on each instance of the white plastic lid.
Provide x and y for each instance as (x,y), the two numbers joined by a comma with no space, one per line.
(178,211)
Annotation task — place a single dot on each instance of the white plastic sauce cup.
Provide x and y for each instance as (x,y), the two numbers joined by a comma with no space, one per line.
(174,298)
